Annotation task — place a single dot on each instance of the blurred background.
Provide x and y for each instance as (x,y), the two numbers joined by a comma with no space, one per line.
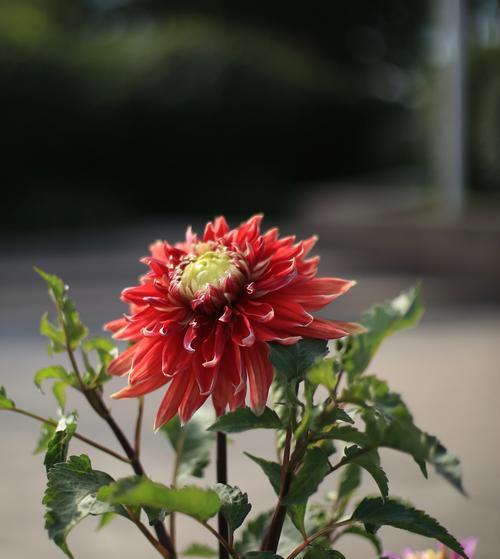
(374,123)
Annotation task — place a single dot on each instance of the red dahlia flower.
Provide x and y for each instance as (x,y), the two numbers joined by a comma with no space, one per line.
(202,315)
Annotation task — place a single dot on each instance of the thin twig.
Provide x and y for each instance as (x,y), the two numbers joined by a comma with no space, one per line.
(138,426)
(315,536)
(76,435)
(273,533)
(222,541)
(156,544)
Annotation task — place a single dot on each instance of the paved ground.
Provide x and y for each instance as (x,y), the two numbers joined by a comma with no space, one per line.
(448,370)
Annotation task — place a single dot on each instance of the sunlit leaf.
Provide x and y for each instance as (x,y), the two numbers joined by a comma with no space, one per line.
(71,496)
(193,501)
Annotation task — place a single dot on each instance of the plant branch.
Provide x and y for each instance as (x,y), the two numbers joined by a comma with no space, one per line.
(222,541)
(222,478)
(273,533)
(163,551)
(76,435)
(346,459)
(315,536)
(138,426)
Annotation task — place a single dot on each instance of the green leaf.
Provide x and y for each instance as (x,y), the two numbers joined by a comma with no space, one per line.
(5,403)
(297,515)
(252,534)
(389,424)
(193,501)
(199,550)
(349,481)
(71,329)
(56,372)
(56,286)
(192,444)
(316,552)
(71,496)
(261,555)
(323,373)
(362,533)
(271,469)
(370,462)
(54,333)
(76,331)
(57,447)
(103,347)
(46,434)
(59,391)
(312,473)
(293,361)
(235,506)
(345,433)
(374,512)
(381,321)
(243,419)
(63,380)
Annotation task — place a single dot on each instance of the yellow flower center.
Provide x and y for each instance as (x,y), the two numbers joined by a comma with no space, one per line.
(210,268)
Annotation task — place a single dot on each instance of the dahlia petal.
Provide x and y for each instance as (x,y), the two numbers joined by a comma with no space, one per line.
(191,401)
(173,358)
(141,388)
(213,346)
(328,329)
(247,231)
(278,278)
(171,400)
(122,364)
(242,332)
(146,363)
(115,325)
(260,374)
(136,294)
(258,311)
(309,244)
(238,399)
(205,377)
(289,314)
(190,336)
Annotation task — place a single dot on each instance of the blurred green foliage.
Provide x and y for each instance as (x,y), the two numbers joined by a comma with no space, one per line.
(146,107)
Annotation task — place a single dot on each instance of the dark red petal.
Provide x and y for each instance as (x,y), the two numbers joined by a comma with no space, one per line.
(328,329)
(256,310)
(260,374)
(277,277)
(134,390)
(242,332)
(191,401)
(172,399)
(213,346)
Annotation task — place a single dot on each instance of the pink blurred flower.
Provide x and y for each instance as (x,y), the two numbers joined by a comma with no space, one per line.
(468,544)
